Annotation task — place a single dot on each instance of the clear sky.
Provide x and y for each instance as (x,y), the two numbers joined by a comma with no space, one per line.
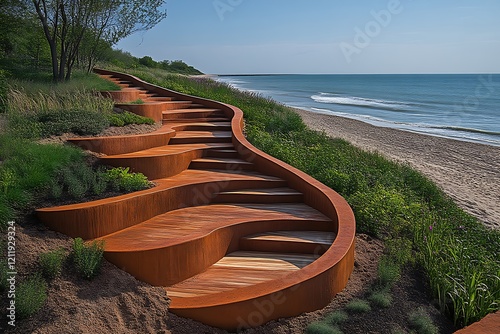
(326,36)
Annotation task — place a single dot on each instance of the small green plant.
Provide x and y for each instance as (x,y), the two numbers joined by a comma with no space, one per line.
(122,179)
(30,296)
(88,257)
(336,318)
(358,306)
(388,272)
(380,299)
(51,263)
(422,323)
(322,328)
(126,118)
(138,101)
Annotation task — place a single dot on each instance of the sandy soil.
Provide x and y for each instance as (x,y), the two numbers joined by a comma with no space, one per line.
(468,172)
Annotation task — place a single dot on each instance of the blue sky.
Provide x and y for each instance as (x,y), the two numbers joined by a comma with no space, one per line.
(326,36)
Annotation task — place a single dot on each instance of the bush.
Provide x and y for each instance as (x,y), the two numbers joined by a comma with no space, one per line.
(51,263)
(30,296)
(388,272)
(82,122)
(379,211)
(358,306)
(322,328)
(380,299)
(126,118)
(422,323)
(88,257)
(122,179)
(336,318)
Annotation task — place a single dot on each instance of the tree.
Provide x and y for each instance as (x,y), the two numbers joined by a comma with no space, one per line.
(68,23)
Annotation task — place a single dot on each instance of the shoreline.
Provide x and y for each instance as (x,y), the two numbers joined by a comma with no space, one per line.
(468,172)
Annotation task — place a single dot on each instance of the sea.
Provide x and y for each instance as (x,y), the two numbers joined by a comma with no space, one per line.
(458,106)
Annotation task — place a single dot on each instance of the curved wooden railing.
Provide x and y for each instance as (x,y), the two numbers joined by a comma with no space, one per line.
(219,205)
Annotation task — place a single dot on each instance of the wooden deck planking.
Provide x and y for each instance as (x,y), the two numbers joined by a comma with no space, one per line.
(240,269)
(319,237)
(179,225)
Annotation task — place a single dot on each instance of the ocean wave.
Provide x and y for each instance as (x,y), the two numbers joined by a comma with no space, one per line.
(360,101)
(471,130)
(455,132)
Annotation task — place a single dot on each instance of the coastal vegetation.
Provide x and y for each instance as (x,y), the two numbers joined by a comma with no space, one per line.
(421,226)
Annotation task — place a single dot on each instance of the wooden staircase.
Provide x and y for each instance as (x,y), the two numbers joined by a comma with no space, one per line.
(236,237)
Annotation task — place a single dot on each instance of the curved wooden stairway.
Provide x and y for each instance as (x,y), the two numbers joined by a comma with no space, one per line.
(236,237)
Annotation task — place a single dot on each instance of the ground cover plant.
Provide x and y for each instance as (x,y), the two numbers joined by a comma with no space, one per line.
(419,223)
(87,257)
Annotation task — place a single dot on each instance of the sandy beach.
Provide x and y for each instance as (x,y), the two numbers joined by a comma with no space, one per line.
(468,172)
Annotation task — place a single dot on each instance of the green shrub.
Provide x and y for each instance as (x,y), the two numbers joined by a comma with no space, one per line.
(51,263)
(388,272)
(122,179)
(422,323)
(336,318)
(380,299)
(30,296)
(322,328)
(379,211)
(358,306)
(82,122)
(114,119)
(126,118)
(88,257)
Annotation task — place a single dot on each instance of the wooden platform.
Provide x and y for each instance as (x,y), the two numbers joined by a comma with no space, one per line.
(236,237)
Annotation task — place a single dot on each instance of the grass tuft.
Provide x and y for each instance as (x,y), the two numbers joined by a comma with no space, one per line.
(322,328)
(422,323)
(51,263)
(380,299)
(30,296)
(358,306)
(336,318)
(88,257)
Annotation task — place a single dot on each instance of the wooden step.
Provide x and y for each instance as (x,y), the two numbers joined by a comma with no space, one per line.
(275,195)
(202,126)
(162,161)
(192,113)
(308,242)
(237,270)
(221,163)
(95,219)
(222,153)
(179,244)
(193,137)
(195,120)
(175,105)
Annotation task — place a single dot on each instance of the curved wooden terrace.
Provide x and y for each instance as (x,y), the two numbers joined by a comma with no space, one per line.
(236,237)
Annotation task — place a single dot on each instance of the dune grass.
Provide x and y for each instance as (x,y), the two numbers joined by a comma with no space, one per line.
(418,222)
